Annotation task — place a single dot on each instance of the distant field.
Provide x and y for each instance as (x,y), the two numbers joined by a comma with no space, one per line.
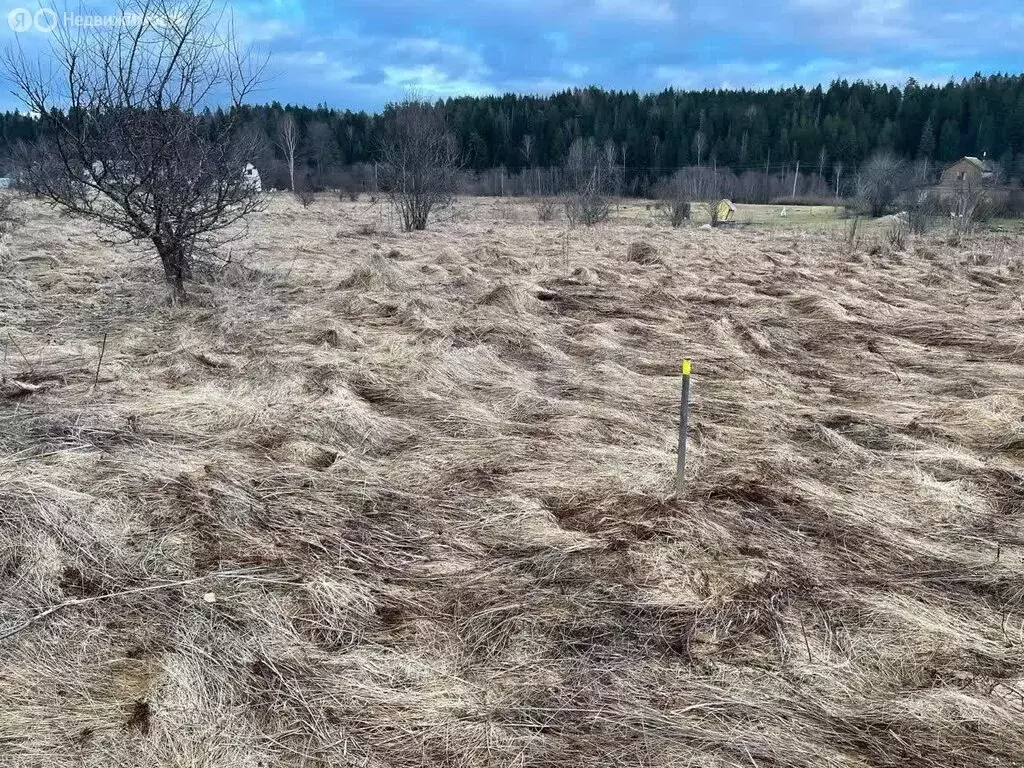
(807,218)
(388,500)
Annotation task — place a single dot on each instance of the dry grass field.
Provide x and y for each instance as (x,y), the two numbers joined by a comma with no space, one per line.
(379,499)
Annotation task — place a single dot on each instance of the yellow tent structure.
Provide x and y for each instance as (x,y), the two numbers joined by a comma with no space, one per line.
(726,210)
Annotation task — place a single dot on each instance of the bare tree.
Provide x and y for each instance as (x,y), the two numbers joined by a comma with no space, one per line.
(587,202)
(321,148)
(883,179)
(674,193)
(528,149)
(125,141)
(700,143)
(528,144)
(581,161)
(419,161)
(288,140)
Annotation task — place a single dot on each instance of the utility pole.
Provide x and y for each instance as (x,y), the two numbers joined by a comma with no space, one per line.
(796,177)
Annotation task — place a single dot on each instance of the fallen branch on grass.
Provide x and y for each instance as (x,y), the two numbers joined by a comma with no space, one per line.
(151,588)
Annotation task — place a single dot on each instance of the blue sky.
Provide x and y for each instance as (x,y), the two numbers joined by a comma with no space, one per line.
(360,54)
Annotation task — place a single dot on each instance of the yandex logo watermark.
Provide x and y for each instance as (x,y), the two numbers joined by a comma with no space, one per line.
(47,19)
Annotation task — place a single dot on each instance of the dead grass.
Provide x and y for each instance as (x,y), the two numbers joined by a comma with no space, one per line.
(405,499)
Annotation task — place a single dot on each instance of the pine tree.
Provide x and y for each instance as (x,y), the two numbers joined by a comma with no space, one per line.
(926,146)
(949,141)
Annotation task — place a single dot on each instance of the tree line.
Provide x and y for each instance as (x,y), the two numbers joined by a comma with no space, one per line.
(645,137)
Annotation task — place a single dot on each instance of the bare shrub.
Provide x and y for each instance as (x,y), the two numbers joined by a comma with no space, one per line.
(896,235)
(970,206)
(921,212)
(419,162)
(674,197)
(587,207)
(547,210)
(126,140)
(919,204)
(305,195)
(677,212)
(883,179)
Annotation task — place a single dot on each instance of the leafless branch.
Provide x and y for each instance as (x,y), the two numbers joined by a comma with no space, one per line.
(125,140)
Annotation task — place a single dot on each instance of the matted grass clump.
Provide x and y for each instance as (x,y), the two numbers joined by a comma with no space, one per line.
(361,510)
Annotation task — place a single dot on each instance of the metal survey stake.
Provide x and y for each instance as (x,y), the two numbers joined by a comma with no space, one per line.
(684,421)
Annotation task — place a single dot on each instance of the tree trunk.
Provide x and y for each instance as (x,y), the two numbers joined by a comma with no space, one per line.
(174,268)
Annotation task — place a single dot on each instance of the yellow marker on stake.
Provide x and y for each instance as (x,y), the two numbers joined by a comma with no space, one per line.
(684,420)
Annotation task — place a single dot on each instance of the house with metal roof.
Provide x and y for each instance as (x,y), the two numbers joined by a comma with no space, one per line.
(967,171)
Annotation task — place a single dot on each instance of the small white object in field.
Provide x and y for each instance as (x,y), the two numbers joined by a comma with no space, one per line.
(252,177)
(210,597)
(784,213)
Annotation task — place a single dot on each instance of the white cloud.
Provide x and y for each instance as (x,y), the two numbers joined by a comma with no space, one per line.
(431,81)
(637,10)
(325,67)
(429,46)
(435,67)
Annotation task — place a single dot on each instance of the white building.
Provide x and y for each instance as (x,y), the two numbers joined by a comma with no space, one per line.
(252,177)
